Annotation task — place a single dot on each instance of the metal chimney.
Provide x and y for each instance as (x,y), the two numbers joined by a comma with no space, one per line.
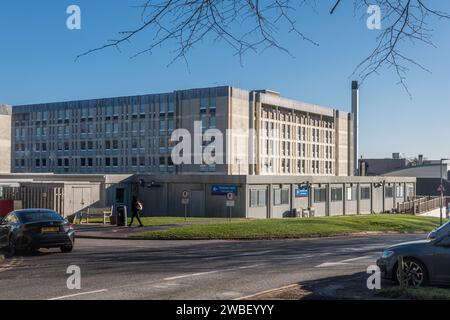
(355,112)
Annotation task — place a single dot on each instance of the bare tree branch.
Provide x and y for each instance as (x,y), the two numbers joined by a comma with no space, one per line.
(255,25)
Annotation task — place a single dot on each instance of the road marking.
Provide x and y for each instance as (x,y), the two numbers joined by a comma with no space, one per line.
(249,297)
(15,262)
(239,255)
(78,294)
(342,262)
(210,272)
(190,275)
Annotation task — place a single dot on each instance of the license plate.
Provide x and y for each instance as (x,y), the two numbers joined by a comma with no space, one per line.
(50,230)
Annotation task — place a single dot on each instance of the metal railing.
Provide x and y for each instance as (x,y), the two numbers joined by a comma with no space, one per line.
(422,205)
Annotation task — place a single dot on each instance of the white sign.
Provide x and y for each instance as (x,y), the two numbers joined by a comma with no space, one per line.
(185,194)
(230,196)
(185,201)
(230,203)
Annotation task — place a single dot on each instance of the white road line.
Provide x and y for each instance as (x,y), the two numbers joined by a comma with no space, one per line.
(190,275)
(210,272)
(342,262)
(239,255)
(78,294)
(250,297)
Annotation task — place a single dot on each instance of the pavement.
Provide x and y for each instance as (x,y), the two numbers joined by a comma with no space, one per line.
(435,213)
(97,231)
(331,268)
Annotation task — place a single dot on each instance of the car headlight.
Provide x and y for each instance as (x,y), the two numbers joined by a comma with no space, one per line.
(387,254)
(68,227)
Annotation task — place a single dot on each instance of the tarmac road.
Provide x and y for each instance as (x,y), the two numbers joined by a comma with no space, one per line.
(135,269)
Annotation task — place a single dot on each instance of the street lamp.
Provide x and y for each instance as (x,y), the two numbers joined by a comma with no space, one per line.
(442,187)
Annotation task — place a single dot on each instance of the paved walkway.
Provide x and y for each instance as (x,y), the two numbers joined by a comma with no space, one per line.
(96,231)
(435,213)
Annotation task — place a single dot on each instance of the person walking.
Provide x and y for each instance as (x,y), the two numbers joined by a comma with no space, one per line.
(136,209)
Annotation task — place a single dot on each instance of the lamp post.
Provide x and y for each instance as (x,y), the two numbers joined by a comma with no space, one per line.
(442,188)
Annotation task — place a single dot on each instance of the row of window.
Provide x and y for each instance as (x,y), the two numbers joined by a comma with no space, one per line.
(258,197)
(297,117)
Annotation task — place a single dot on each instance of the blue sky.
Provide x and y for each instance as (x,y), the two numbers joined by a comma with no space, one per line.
(37,65)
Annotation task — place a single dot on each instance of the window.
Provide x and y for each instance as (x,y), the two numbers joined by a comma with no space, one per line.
(389,193)
(285,196)
(365,193)
(262,198)
(351,193)
(277,197)
(280,197)
(258,198)
(336,194)
(253,198)
(400,192)
(320,195)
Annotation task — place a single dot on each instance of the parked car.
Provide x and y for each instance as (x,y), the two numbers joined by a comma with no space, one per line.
(439,232)
(425,262)
(35,229)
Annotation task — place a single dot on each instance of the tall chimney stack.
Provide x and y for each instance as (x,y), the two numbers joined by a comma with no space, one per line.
(355,112)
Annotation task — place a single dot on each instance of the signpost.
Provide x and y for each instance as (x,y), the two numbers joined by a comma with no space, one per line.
(230,202)
(185,197)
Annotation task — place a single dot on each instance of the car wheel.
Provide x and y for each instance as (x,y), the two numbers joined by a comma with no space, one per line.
(11,250)
(66,249)
(415,273)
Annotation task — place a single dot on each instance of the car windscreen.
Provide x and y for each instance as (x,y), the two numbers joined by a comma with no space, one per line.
(27,217)
(444,226)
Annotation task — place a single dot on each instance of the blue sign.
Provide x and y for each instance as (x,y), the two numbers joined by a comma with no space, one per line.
(223,190)
(302,192)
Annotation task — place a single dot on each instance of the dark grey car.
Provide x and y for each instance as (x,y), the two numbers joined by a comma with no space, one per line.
(425,262)
(439,232)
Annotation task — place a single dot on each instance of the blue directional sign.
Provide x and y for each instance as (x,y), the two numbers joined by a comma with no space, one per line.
(223,190)
(302,192)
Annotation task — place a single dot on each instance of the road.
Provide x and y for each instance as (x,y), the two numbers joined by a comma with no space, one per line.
(139,269)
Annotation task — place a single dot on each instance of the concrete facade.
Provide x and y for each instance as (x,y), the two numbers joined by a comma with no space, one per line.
(5,139)
(274,196)
(132,134)
(258,197)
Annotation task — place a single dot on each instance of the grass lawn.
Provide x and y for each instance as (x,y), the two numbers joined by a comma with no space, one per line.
(159,221)
(427,293)
(294,228)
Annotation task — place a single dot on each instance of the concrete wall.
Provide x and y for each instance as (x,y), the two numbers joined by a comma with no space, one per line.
(5,139)
(161,194)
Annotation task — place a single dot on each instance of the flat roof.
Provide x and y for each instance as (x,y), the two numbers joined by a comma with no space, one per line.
(266,96)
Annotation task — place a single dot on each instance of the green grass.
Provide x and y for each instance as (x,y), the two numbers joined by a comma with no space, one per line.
(427,293)
(297,228)
(159,221)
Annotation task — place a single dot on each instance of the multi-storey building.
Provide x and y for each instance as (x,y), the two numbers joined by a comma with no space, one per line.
(133,134)
(5,138)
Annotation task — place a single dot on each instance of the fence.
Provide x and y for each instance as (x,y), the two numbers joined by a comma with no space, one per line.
(423,204)
(36,196)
